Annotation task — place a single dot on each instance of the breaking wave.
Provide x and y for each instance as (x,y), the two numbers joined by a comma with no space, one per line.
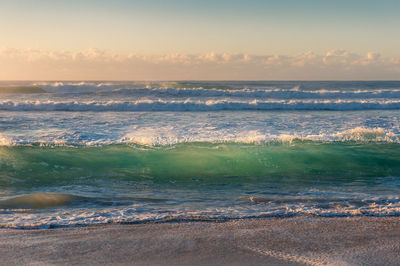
(199,105)
(170,136)
(253,208)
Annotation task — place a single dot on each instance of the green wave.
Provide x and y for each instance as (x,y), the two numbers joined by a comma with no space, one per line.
(194,163)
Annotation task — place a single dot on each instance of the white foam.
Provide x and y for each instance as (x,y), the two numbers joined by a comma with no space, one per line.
(366,134)
(197,105)
(169,135)
(5,141)
(172,135)
(260,94)
(266,92)
(139,213)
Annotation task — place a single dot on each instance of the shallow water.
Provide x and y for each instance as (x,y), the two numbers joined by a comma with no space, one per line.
(97,152)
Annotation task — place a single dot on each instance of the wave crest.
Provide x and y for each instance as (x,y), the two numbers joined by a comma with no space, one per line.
(5,141)
(169,136)
(198,105)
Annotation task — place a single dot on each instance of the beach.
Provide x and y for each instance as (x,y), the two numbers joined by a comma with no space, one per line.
(262,241)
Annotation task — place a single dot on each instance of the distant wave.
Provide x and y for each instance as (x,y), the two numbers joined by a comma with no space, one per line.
(198,105)
(268,93)
(220,91)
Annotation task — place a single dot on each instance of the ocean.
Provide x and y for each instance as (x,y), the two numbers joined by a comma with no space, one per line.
(83,153)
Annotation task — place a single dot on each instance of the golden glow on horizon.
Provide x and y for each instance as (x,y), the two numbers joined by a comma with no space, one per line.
(96,64)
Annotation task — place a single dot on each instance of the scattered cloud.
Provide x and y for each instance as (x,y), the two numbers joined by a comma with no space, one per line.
(102,64)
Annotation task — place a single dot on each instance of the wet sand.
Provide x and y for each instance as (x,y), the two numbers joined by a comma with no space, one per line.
(269,241)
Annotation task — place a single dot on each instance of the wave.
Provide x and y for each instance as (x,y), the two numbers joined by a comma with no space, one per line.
(5,141)
(136,214)
(199,163)
(198,181)
(236,90)
(166,136)
(169,136)
(265,93)
(198,105)
(217,91)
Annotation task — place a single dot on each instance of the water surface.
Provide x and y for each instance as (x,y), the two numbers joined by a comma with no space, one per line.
(99,152)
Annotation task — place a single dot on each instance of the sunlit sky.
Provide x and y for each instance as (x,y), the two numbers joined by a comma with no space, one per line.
(160,28)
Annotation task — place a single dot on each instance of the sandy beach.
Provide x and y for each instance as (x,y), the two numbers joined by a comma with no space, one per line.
(270,241)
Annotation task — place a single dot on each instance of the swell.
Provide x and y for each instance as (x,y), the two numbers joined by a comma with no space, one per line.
(198,105)
(268,93)
(199,163)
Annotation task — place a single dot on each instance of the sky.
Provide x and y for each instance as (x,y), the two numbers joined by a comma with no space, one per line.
(180,40)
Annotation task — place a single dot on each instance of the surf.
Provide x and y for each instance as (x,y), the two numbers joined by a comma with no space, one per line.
(161,105)
(124,152)
(201,163)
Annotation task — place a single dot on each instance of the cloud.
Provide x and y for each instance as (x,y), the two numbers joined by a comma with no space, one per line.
(35,64)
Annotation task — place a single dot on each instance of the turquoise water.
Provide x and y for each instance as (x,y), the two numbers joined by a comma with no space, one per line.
(300,162)
(87,153)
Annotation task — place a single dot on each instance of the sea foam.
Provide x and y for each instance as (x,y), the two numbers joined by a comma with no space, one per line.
(198,105)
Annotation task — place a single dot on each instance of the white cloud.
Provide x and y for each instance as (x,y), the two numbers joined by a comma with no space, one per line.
(101,64)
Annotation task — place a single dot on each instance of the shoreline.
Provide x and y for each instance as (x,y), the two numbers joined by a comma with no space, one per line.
(260,241)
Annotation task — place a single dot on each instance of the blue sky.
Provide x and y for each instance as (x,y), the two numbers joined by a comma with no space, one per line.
(252,26)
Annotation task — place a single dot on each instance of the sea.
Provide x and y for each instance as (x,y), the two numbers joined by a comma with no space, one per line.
(98,152)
